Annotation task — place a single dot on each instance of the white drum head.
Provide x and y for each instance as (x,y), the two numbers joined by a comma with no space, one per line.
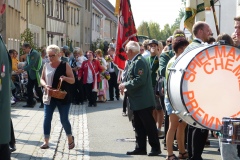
(210,85)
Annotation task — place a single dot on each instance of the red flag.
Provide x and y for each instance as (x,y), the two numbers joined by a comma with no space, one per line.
(126,32)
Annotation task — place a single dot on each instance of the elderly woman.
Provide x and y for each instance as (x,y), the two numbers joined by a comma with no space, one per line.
(76,64)
(54,72)
(90,73)
(179,44)
(103,85)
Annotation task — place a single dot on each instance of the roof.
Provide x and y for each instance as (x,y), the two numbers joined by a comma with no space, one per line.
(106,8)
(76,2)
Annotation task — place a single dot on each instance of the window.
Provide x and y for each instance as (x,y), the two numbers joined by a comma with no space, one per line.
(93,21)
(71,15)
(50,7)
(89,5)
(75,21)
(86,36)
(78,16)
(86,4)
(57,9)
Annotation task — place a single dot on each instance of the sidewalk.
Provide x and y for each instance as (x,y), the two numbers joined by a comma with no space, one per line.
(28,128)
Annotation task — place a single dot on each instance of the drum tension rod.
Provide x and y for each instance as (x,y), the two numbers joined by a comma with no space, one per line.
(172,69)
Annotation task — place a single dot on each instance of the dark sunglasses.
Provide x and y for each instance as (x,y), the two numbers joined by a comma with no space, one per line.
(51,56)
(169,41)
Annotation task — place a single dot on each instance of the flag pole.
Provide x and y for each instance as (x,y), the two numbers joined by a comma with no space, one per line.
(215,17)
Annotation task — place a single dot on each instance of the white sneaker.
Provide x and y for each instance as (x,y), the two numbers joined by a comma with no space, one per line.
(12,100)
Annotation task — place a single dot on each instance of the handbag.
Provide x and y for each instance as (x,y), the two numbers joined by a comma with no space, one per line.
(57,93)
(159,85)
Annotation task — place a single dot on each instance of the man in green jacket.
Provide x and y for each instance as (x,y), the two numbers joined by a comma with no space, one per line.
(33,67)
(5,79)
(138,84)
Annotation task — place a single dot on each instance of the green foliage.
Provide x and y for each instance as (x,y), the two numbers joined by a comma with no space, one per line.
(153,30)
(27,37)
(143,29)
(98,44)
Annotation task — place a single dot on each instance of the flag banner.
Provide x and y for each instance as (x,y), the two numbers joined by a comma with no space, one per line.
(194,11)
(126,31)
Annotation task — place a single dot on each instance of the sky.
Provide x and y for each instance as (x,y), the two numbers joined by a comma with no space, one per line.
(159,11)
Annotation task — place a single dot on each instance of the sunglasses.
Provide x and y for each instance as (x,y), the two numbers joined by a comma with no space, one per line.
(51,56)
(169,41)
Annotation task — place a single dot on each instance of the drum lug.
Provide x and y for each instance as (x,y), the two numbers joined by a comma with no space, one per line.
(176,112)
(172,69)
(180,120)
(194,123)
(186,114)
(182,70)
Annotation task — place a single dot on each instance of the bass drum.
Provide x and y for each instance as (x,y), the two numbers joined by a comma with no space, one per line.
(204,85)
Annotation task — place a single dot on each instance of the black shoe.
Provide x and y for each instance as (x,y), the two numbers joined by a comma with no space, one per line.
(41,106)
(111,100)
(94,104)
(28,106)
(137,152)
(154,153)
(81,103)
(12,148)
(117,98)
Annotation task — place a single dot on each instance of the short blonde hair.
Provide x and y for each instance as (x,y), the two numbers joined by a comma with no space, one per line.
(99,52)
(53,48)
(78,50)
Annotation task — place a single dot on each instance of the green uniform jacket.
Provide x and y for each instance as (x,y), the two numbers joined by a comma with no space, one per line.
(5,89)
(139,84)
(163,61)
(34,58)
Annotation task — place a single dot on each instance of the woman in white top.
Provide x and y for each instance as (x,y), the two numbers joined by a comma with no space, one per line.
(53,72)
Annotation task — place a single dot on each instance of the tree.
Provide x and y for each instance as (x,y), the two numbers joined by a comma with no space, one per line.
(27,37)
(177,22)
(154,30)
(143,29)
(98,44)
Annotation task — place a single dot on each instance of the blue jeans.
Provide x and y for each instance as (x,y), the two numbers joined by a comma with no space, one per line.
(48,113)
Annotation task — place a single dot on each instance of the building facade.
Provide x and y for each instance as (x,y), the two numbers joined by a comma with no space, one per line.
(9,24)
(58,22)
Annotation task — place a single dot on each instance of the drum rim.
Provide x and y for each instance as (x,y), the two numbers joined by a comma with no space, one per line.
(204,47)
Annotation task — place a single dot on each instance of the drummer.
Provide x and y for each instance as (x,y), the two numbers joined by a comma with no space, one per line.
(197,137)
(179,43)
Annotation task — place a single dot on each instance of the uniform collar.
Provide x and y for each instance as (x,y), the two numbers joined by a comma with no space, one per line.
(135,57)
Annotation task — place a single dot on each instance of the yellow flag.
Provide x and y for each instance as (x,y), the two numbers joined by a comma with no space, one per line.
(117,7)
(194,11)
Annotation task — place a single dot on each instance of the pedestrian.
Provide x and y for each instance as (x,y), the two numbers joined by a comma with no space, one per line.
(165,56)
(237,31)
(146,52)
(5,77)
(137,84)
(113,81)
(33,67)
(153,63)
(197,137)
(54,72)
(179,43)
(90,73)
(78,92)
(103,85)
